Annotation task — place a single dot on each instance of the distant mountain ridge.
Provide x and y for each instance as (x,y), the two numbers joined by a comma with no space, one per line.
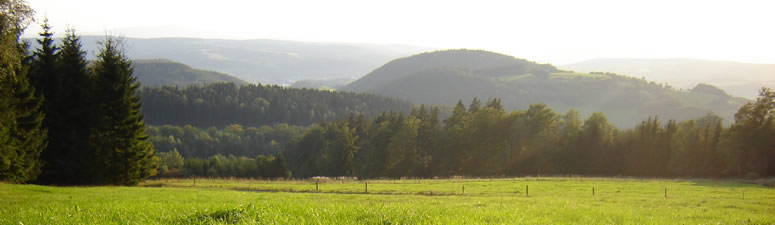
(443,77)
(260,60)
(738,79)
(163,72)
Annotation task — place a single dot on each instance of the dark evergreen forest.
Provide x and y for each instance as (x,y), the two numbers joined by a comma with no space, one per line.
(223,104)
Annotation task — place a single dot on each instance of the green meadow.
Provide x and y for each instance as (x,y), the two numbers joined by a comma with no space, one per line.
(430,201)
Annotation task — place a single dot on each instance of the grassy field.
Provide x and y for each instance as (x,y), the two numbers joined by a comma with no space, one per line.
(499,201)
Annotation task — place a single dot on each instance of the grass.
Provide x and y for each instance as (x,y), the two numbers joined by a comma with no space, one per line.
(498,201)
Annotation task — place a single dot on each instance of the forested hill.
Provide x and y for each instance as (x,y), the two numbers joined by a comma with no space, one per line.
(446,76)
(161,72)
(223,104)
(484,63)
(738,79)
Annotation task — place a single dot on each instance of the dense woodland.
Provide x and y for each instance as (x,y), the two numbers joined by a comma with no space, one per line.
(486,140)
(234,139)
(223,104)
(265,166)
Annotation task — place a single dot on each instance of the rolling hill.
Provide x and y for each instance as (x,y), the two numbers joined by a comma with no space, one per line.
(262,61)
(739,79)
(161,72)
(443,77)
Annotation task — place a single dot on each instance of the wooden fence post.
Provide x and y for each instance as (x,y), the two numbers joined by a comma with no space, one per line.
(527,191)
(593,190)
(366,187)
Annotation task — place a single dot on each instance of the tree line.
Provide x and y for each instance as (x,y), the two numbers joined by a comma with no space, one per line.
(255,105)
(263,166)
(485,140)
(234,139)
(63,120)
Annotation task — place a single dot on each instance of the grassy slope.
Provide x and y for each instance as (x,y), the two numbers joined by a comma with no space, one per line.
(551,201)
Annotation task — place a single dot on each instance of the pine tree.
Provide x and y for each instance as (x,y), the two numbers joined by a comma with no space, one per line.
(458,116)
(475,105)
(123,150)
(44,77)
(495,103)
(21,135)
(69,157)
(43,72)
(28,136)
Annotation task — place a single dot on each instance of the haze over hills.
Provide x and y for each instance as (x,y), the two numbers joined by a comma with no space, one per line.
(264,61)
(738,79)
(162,72)
(327,84)
(444,77)
(332,65)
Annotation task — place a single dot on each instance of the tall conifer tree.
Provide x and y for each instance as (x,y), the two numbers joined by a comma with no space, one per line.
(122,147)
(43,72)
(46,80)
(21,135)
(69,157)
(28,136)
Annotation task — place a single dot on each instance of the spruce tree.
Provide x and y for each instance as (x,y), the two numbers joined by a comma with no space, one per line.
(123,151)
(458,116)
(44,77)
(43,72)
(475,105)
(69,157)
(79,106)
(21,135)
(28,137)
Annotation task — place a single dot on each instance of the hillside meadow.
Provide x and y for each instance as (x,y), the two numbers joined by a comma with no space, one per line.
(430,201)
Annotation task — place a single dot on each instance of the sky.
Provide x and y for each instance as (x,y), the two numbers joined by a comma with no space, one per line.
(548,31)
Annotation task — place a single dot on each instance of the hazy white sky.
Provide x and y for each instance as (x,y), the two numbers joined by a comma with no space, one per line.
(551,31)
